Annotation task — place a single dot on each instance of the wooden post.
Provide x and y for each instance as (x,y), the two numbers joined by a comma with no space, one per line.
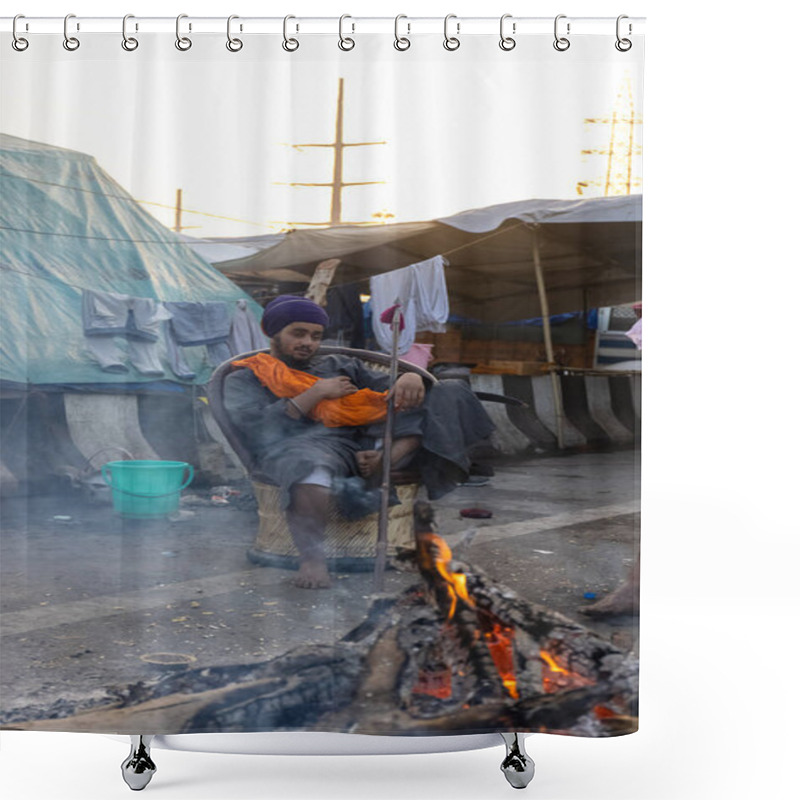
(338,148)
(548,339)
(178,211)
(382,544)
(321,280)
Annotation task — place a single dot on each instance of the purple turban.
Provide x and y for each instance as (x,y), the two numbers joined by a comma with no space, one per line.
(286,309)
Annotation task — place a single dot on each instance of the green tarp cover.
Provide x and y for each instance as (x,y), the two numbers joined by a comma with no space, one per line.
(65,226)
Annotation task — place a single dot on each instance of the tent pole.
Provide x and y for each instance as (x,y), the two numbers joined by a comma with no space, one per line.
(548,338)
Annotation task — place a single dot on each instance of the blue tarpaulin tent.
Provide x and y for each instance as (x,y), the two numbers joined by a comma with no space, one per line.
(66,226)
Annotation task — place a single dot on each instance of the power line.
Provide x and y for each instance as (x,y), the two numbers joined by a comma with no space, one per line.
(93,238)
(130,199)
(49,278)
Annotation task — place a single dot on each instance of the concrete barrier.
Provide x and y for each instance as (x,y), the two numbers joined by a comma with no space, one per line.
(599,411)
(546,411)
(99,421)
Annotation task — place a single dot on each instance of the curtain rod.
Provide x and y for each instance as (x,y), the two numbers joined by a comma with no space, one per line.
(460,26)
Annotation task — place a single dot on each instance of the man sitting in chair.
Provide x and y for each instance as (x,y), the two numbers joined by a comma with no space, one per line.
(312,422)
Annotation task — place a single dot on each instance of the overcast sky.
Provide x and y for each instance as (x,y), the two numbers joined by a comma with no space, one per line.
(464,129)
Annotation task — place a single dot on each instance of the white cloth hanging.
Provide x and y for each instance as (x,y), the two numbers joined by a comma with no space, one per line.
(421,290)
(246,333)
(107,315)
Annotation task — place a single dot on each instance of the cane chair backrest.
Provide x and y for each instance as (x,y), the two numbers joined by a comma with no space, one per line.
(380,362)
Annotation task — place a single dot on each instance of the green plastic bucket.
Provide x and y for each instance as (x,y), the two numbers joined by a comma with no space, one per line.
(146,489)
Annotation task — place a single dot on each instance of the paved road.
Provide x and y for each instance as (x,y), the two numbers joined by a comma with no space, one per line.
(86,603)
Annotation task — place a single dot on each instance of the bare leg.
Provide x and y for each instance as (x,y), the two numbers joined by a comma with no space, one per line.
(369,461)
(307,516)
(623,600)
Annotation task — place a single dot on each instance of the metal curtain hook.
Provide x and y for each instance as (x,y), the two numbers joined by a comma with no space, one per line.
(70,42)
(345,42)
(401,42)
(129,43)
(19,43)
(451,42)
(506,42)
(623,45)
(289,44)
(234,45)
(561,43)
(182,42)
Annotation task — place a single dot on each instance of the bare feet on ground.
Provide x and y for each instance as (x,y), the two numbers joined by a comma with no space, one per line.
(312,575)
(624,600)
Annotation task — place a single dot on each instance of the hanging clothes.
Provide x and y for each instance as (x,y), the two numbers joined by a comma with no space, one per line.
(195,324)
(635,333)
(107,315)
(421,290)
(346,314)
(246,333)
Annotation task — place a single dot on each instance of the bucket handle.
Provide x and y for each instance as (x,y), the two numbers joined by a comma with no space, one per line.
(104,471)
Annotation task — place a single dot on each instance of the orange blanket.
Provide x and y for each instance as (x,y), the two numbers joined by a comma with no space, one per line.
(360,408)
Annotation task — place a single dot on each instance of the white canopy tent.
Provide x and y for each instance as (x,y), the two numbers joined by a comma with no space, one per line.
(589,251)
(507,262)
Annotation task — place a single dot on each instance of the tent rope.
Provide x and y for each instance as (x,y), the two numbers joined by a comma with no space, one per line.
(482,239)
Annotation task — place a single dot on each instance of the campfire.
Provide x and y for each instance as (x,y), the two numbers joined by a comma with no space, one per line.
(458,652)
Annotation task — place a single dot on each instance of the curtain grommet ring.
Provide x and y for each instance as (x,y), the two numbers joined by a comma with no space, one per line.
(19,43)
(346,43)
(451,43)
(507,42)
(401,43)
(233,44)
(561,43)
(129,43)
(289,44)
(623,44)
(183,43)
(71,43)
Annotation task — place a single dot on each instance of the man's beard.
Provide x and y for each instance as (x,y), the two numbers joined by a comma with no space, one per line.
(277,350)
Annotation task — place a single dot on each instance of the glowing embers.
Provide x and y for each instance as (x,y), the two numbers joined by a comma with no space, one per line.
(557,678)
(476,628)
(500,641)
(435,682)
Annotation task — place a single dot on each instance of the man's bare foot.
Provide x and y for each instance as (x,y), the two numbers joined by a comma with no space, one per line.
(369,462)
(623,600)
(312,575)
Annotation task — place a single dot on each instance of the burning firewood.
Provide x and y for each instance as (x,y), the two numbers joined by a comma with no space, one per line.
(458,652)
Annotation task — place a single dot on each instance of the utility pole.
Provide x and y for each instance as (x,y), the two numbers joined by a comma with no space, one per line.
(178,211)
(179,227)
(337,183)
(624,125)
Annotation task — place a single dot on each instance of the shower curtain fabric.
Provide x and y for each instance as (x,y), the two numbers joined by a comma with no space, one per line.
(154,201)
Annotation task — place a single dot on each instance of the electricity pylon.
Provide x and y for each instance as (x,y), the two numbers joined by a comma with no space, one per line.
(623,147)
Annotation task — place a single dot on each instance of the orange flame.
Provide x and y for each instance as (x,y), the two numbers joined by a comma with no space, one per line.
(435,556)
(551,662)
(555,678)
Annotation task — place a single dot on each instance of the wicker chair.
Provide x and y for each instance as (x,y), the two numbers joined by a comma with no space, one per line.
(350,545)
